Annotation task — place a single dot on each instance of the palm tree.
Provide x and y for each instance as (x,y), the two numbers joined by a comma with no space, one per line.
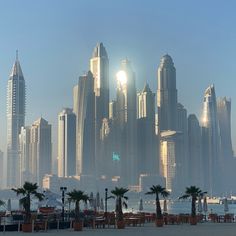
(2,203)
(193,192)
(158,190)
(119,194)
(77,196)
(28,191)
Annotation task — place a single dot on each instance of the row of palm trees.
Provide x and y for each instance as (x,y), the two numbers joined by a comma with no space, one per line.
(29,190)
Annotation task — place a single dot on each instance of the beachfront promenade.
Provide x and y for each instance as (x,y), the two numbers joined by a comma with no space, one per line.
(202,229)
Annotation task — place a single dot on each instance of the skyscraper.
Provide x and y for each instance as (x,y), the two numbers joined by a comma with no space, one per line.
(112,110)
(224,116)
(195,165)
(84,108)
(66,143)
(226,161)
(99,66)
(15,120)
(210,141)
(147,141)
(126,121)
(168,153)
(182,160)
(167,95)
(25,155)
(41,149)
(1,170)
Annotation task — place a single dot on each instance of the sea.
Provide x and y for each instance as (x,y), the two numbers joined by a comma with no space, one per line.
(173,206)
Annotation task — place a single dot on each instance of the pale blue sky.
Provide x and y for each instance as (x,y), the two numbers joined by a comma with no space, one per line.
(56,38)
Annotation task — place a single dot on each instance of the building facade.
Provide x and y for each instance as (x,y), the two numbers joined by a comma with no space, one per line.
(40,149)
(126,122)
(146,137)
(15,120)
(99,67)
(224,117)
(195,163)
(1,170)
(66,143)
(25,156)
(167,95)
(84,109)
(210,142)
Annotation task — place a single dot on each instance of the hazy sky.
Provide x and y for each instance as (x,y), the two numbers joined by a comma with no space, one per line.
(56,38)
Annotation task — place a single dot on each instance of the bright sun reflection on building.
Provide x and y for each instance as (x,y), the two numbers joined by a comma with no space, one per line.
(121,77)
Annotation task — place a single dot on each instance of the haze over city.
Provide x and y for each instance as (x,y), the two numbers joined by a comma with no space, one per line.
(56,40)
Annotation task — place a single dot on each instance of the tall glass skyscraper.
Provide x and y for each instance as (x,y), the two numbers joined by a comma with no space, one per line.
(66,143)
(210,141)
(147,140)
(41,149)
(84,100)
(194,151)
(15,120)
(99,66)
(167,95)
(126,121)
(224,116)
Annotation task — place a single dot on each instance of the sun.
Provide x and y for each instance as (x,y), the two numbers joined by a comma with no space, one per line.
(121,77)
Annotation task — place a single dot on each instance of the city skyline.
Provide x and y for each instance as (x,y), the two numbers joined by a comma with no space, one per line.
(201,67)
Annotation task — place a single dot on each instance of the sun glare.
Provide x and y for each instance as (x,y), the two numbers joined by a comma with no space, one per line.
(121,77)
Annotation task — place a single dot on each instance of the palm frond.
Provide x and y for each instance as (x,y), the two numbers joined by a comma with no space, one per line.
(158,189)
(125,204)
(77,195)
(2,203)
(185,196)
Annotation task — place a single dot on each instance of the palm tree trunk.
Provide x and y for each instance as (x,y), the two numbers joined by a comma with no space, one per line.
(27,210)
(120,213)
(77,211)
(158,208)
(193,206)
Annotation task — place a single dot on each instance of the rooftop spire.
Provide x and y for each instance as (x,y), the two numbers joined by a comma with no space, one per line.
(17,55)
(99,51)
(16,69)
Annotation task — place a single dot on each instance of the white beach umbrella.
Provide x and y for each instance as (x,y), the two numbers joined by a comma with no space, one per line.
(165,206)
(200,205)
(205,208)
(226,207)
(140,208)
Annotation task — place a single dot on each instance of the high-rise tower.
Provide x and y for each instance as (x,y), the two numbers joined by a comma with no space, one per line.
(25,156)
(210,141)
(84,108)
(126,120)
(99,66)
(182,160)
(41,149)
(224,116)
(194,152)
(66,143)
(147,141)
(15,120)
(167,95)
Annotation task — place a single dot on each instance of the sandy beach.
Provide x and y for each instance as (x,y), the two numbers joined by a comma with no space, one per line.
(202,229)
